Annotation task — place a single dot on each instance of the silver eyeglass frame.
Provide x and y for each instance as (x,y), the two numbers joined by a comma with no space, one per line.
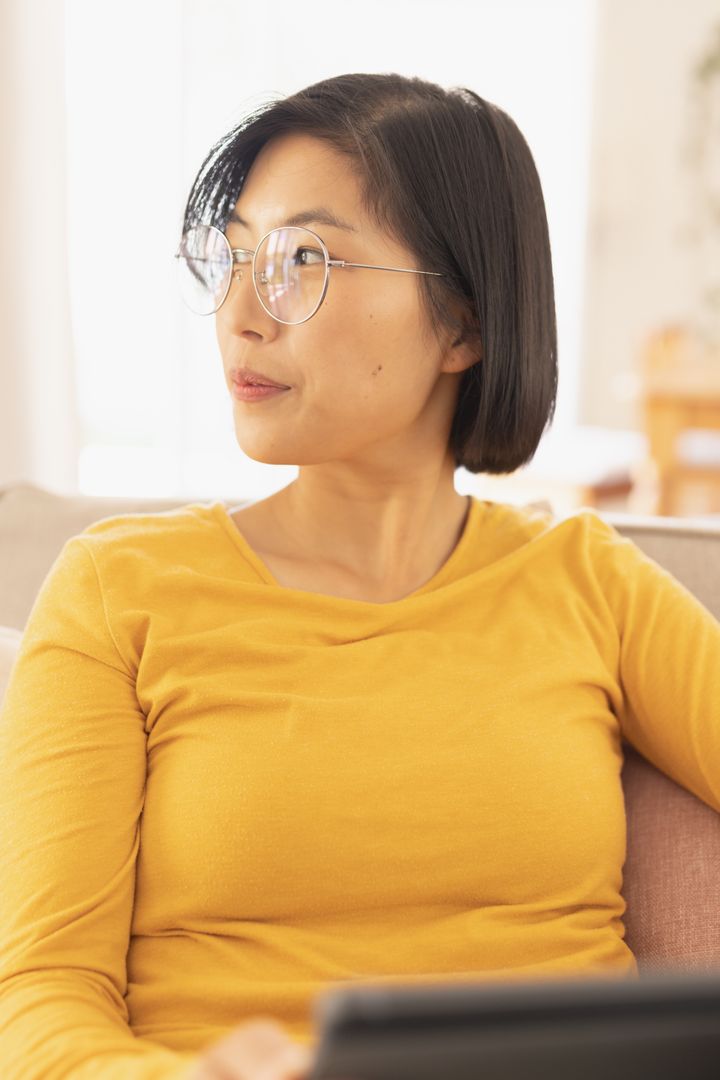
(339,263)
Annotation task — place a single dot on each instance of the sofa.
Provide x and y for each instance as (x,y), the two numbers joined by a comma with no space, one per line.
(671,877)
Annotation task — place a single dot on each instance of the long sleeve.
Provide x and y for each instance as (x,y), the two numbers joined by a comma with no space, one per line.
(73,754)
(669,664)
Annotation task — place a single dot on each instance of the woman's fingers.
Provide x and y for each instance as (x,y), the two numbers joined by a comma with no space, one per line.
(257,1049)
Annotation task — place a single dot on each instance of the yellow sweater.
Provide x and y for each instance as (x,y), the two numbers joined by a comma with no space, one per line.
(220,795)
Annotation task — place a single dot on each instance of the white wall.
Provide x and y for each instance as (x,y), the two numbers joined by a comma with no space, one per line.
(39,428)
(640,271)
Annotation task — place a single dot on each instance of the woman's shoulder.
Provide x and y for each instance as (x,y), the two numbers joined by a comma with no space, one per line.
(147,524)
(152,537)
(516,523)
(538,527)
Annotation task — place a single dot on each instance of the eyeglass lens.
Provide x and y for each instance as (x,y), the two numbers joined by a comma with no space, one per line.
(290,271)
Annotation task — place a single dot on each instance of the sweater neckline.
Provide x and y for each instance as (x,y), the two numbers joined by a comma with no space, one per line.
(446,574)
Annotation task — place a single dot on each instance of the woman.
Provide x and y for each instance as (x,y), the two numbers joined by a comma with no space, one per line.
(363,729)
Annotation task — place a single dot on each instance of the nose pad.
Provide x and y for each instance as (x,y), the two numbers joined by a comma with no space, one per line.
(237,274)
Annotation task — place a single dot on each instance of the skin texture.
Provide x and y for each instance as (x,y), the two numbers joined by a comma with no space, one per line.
(374,512)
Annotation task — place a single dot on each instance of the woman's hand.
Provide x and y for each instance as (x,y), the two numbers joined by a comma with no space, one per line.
(257,1049)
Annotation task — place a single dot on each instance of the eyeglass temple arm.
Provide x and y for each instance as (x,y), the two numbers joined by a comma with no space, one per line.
(364,266)
(396,269)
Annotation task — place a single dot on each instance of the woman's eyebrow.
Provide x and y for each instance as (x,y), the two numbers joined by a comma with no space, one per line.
(319,214)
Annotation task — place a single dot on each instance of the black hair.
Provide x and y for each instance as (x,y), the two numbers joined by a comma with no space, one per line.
(451,177)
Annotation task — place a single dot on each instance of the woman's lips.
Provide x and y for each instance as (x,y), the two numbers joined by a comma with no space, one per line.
(246,392)
(247,376)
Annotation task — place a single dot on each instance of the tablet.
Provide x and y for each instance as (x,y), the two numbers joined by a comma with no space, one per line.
(659,1026)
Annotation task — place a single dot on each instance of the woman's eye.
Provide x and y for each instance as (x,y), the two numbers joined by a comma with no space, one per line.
(305,255)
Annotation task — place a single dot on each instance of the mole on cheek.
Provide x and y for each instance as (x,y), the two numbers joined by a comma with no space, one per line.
(377,369)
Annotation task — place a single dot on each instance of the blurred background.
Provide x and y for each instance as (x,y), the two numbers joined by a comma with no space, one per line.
(111,387)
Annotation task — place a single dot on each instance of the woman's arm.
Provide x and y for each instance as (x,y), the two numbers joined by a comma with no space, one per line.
(73,759)
(669,663)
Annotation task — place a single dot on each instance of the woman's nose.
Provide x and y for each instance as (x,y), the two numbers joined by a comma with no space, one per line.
(242,309)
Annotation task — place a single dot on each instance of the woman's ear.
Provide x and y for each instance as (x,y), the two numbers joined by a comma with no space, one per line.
(469,329)
(465,350)
(461,350)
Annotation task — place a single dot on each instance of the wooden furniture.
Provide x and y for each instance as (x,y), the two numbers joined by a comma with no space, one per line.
(599,493)
(680,392)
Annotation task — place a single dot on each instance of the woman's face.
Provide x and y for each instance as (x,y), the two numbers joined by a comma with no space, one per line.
(369,382)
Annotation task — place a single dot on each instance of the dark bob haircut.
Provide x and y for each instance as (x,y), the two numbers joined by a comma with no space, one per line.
(450,176)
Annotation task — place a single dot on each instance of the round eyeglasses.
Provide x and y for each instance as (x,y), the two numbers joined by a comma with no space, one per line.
(290,271)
